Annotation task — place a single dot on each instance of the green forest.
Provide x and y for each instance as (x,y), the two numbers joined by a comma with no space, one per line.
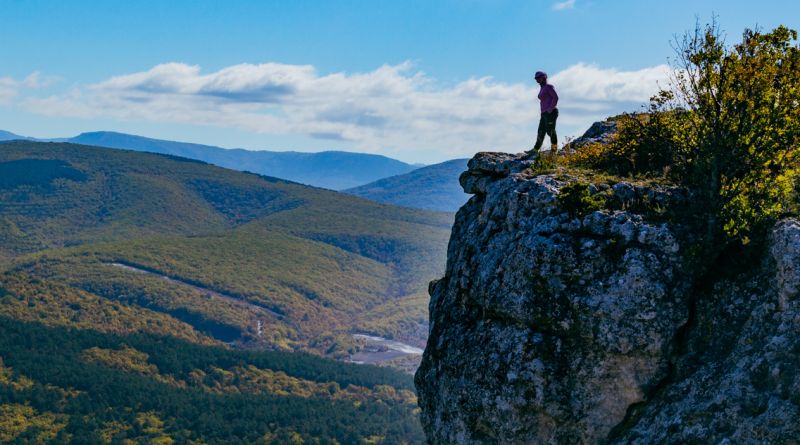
(154,299)
(65,385)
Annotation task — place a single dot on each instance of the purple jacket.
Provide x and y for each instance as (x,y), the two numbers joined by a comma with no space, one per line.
(548,98)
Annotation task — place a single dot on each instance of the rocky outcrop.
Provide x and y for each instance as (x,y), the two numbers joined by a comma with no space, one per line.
(554,327)
(600,132)
(739,380)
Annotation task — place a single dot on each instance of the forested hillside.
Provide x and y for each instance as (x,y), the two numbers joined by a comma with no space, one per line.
(252,260)
(63,385)
(159,299)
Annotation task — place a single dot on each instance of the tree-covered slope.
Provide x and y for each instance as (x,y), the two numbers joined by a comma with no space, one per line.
(63,385)
(219,254)
(434,187)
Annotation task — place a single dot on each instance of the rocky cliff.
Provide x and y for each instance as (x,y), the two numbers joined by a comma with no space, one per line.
(559,327)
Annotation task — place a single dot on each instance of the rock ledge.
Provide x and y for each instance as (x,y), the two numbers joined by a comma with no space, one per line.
(554,329)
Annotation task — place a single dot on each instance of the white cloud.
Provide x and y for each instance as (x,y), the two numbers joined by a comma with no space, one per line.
(37,80)
(567,4)
(590,82)
(10,87)
(589,93)
(391,110)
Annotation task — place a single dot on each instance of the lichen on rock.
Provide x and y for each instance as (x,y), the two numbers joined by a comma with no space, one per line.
(560,329)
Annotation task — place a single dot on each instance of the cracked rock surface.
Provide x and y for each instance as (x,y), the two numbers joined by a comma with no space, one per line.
(555,329)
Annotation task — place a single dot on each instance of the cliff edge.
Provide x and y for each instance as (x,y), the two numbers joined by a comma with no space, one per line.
(553,326)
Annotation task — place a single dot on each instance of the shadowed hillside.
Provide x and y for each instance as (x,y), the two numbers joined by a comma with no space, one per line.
(434,187)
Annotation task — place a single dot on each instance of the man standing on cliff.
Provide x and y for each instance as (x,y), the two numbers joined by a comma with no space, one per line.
(547,122)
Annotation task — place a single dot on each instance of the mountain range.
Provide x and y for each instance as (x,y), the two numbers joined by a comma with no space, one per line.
(334,170)
(378,178)
(9,136)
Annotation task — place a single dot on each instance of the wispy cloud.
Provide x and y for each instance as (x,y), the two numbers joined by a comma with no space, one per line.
(389,110)
(566,4)
(11,88)
(8,89)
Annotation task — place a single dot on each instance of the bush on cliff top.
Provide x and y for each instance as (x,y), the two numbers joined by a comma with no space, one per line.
(728,128)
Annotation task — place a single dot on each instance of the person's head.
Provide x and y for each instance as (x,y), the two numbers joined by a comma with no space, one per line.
(541,77)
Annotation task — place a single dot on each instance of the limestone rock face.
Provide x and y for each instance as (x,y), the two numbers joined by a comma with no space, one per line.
(557,329)
(739,381)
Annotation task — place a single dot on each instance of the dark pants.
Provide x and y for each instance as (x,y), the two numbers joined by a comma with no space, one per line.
(547,125)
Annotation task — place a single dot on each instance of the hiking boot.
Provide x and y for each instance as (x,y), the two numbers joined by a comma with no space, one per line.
(530,155)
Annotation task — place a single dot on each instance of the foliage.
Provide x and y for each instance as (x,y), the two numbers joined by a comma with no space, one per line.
(547,162)
(303,302)
(575,199)
(317,262)
(398,319)
(24,297)
(243,378)
(21,420)
(645,145)
(90,387)
(36,172)
(728,129)
(17,382)
(745,104)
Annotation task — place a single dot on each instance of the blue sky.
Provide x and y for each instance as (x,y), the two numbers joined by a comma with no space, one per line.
(421,81)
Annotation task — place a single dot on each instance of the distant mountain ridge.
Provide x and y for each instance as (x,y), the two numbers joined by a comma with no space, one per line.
(335,170)
(374,177)
(434,187)
(9,136)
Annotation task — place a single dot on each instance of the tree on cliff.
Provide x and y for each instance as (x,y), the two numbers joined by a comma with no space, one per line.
(741,148)
(728,128)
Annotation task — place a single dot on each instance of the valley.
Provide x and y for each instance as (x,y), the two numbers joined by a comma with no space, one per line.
(252,261)
(105,253)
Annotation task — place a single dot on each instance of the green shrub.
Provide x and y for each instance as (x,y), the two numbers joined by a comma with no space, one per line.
(645,144)
(745,107)
(575,199)
(728,129)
